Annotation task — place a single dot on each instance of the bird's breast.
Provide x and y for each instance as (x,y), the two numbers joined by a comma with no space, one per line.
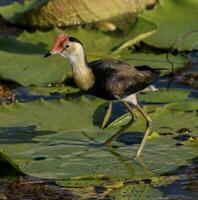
(83,77)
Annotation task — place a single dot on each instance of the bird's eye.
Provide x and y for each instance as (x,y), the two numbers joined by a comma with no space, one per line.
(66,46)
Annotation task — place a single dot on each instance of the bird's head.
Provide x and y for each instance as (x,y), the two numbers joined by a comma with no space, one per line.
(66,46)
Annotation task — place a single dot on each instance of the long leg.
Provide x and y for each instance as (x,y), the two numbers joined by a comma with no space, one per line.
(133,100)
(107,115)
(148,130)
(119,132)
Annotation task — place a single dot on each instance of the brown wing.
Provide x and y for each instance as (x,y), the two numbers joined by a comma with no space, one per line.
(116,78)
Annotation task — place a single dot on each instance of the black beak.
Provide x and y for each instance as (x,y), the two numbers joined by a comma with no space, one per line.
(47,54)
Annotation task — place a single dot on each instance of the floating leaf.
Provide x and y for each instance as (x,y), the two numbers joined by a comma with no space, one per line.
(172,27)
(165,96)
(25,63)
(185,105)
(64,138)
(14,11)
(154,60)
(140,30)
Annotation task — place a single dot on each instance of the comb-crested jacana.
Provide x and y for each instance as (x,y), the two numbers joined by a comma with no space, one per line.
(106,78)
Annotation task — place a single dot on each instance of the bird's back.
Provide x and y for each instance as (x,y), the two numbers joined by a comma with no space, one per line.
(116,78)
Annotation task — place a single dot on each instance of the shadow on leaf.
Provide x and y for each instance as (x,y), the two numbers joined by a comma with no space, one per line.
(15,135)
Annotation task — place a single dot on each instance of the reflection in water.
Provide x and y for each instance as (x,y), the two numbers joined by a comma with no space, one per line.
(30,188)
(186,187)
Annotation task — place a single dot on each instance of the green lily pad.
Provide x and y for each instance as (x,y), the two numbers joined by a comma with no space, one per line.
(49,140)
(14,11)
(96,43)
(61,140)
(174,19)
(165,96)
(32,69)
(185,105)
(154,60)
(138,30)
(174,119)
(163,115)
(25,63)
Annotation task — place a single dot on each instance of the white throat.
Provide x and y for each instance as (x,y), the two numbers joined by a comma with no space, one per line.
(83,75)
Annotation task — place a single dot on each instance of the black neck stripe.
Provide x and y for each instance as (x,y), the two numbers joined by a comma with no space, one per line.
(73,39)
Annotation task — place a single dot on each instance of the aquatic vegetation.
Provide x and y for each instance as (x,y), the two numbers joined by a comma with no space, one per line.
(52,131)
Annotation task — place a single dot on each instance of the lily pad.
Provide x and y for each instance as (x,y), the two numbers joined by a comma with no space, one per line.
(154,60)
(96,43)
(185,105)
(32,69)
(138,30)
(52,135)
(173,27)
(14,11)
(24,63)
(165,96)
(61,140)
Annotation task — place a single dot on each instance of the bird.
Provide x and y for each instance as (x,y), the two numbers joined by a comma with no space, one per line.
(108,79)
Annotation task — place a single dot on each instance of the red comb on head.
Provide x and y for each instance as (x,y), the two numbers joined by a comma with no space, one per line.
(59,41)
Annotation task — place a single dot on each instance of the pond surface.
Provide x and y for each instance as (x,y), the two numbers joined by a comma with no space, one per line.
(180,183)
(184,187)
